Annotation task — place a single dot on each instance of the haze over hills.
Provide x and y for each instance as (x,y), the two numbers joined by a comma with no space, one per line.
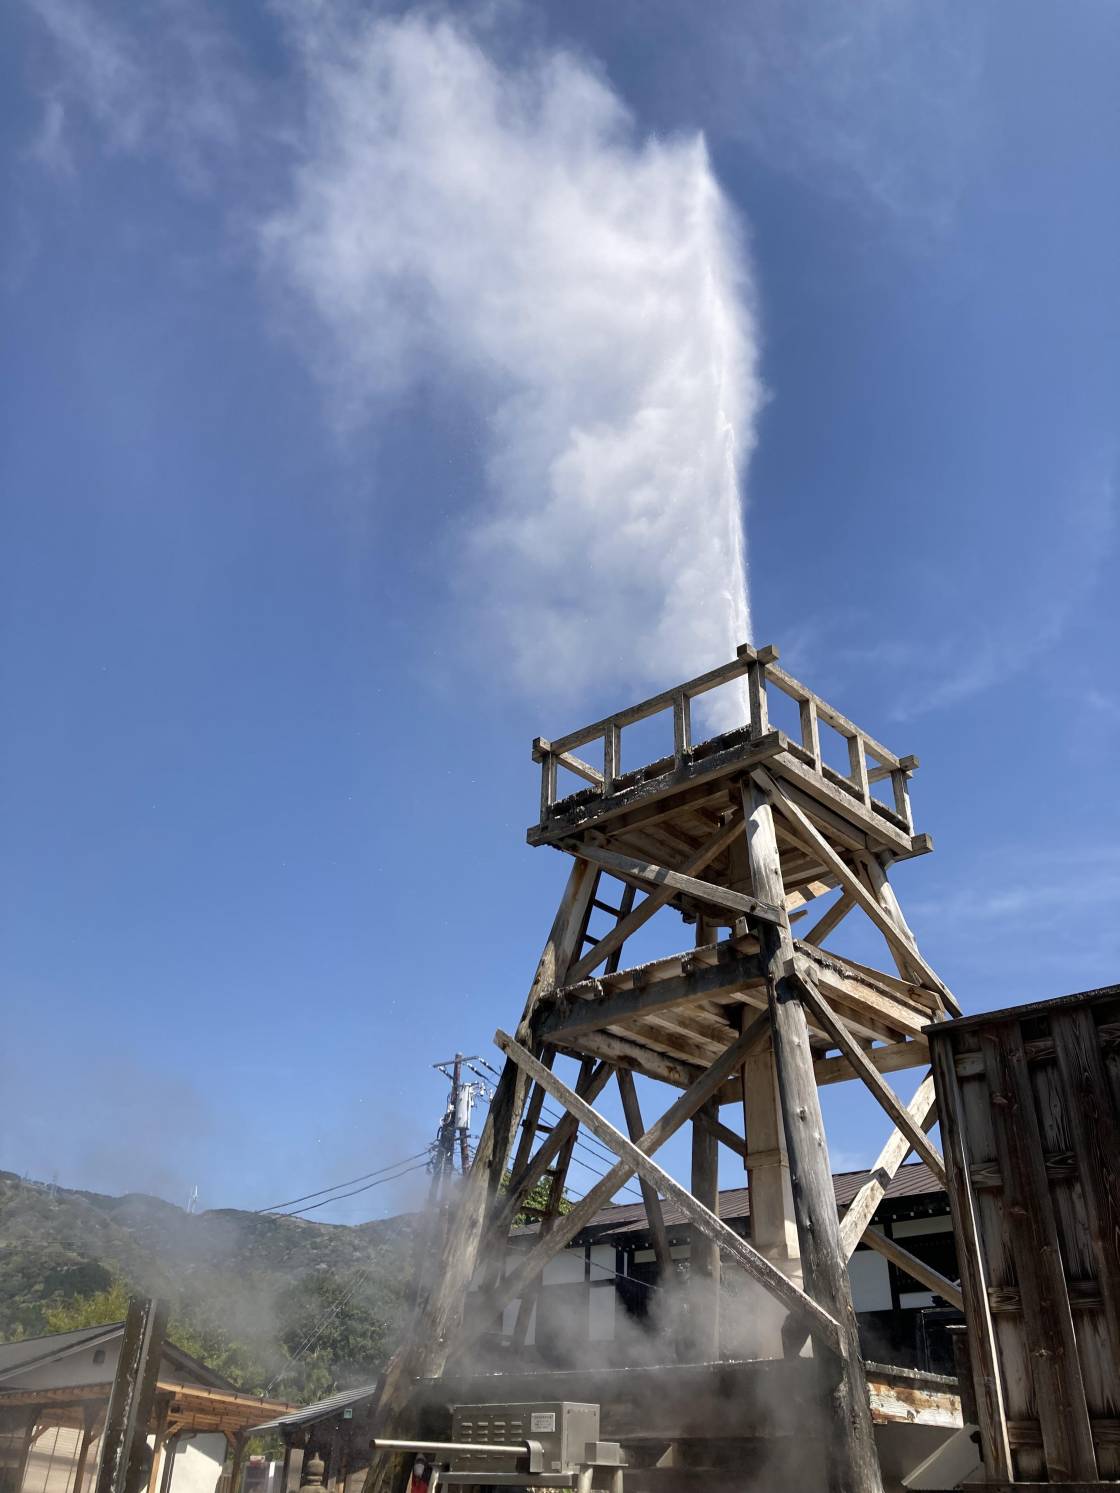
(306,1306)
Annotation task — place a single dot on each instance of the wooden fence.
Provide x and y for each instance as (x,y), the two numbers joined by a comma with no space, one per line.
(1029,1107)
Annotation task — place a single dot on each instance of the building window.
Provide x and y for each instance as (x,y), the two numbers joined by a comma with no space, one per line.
(99,1355)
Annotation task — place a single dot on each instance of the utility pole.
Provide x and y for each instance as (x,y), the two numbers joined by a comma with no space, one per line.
(455,1127)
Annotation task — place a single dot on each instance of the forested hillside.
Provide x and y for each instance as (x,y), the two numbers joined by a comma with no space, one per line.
(307,1307)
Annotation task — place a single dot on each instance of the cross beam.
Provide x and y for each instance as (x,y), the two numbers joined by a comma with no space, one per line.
(824,1327)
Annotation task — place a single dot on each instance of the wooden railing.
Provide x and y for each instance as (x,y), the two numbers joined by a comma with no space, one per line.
(869,761)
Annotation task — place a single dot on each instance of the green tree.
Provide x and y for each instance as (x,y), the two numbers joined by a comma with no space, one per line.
(187,1329)
(110,1305)
(535,1202)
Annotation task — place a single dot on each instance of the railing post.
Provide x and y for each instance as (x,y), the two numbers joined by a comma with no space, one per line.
(542,753)
(857,761)
(756,686)
(612,751)
(682,727)
(811,731)
(900,779)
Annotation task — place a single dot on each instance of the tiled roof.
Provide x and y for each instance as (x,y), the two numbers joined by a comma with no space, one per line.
(915,1180)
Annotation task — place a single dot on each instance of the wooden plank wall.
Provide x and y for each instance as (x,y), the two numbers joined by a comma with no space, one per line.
(1029,1102)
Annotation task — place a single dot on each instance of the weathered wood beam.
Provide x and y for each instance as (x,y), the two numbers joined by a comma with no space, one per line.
(698,1093)
(542,748)
(620,1052)
(922,1110)
(570,1017)
(853,1460)
(655,1217)
(832,919)
(820,1323)
(892,1058)
(530,1173)
(724,1134)
(812,837)
(662,876)
(881,1091)
(652,903)
(917,1269)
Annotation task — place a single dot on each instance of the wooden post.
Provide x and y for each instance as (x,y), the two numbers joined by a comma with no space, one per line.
(12,1472)
(89,1420)
(169,1456)
(773,1228)
(703,1251)
(238,1446)
(659,1235)
(159,1440)
(120,1467)
(293,1463)
(853,1462)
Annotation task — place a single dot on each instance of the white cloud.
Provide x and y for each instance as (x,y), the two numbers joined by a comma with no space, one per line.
(162,80)
(506,226)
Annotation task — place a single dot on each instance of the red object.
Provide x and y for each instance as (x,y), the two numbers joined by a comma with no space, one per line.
(421,1475)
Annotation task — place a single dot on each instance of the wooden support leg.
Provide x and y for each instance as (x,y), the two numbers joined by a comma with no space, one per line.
(426,1352)
(239,1448)
(159,1442)
(773,1224)
(89,1420)
(852,1461)
(703,1251)
(169,1462)
(655,1217)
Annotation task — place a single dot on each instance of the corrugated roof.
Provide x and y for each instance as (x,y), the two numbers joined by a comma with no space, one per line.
(914,1180)
(321,1409)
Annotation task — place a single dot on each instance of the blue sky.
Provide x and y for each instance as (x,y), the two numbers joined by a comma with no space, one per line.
(380,389)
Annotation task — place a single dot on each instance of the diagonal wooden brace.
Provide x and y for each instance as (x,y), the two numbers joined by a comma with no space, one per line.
(917,1269)
(703,891)
(806,831)
(655,900)
(823,1327)
(823,1014)
(922,1109)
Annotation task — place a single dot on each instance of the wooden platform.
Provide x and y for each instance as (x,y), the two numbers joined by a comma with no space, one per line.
(667,808)
(670,1018)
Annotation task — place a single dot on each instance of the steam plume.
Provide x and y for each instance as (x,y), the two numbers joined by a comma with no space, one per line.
(504,225)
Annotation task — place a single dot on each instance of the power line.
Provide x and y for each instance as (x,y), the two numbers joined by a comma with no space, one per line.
(348,1183)
(317,1331)
(295,1212)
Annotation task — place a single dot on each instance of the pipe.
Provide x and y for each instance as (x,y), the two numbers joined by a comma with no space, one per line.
(448,1448)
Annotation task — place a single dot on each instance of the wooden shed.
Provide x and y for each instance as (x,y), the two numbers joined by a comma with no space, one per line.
(1029,1106)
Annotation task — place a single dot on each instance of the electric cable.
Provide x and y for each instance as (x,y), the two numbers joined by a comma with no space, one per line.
(296,1212)
(349,1182)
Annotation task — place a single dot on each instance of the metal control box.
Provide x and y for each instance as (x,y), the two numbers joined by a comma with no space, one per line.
(563,1428)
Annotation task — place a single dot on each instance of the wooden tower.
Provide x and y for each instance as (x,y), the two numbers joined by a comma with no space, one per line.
(737,834)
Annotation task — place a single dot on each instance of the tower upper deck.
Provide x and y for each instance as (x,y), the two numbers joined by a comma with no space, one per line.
(668,807)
